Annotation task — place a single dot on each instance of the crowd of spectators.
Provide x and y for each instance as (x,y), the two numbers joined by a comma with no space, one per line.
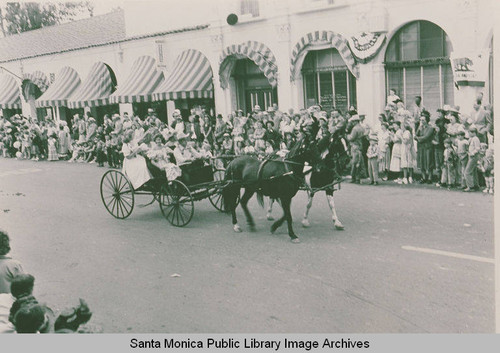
(21,312)
(446,148)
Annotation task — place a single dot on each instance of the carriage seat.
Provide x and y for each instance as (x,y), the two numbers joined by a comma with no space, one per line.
(196,172)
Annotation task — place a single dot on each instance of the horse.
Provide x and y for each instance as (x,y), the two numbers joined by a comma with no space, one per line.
(278,179)
(326,174)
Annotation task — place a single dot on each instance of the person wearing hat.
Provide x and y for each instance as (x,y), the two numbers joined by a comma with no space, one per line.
(355,139)
(178,124)
(256,108)
(183,153)
(473,157)
(424,136)
(227,144)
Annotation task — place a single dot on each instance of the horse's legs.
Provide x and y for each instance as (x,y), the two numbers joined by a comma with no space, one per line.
(244,201)
(335,218)
(233,197)
(279,222)
(305,221)
(270,210)
(286,203)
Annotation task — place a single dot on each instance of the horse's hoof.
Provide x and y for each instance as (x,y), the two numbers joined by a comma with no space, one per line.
(237,228)
(305,223)
(252,228)
(338,225)
(273,230)
(295,240)
(270,218)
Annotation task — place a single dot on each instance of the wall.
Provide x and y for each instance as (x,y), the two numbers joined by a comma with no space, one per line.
(281,25)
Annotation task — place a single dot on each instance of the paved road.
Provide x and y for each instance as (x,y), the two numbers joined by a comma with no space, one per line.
(376,276)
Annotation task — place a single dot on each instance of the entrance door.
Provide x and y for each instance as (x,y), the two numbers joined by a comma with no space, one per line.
(265,98)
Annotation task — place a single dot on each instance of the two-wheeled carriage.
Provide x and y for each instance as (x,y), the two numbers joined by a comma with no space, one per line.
(175,197)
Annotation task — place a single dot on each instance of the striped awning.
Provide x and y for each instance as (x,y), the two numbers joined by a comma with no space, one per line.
(191,77)
(144,78)
(10,97)
(67,81)
(258,52)
(95,90)
(320,38)
(39,79)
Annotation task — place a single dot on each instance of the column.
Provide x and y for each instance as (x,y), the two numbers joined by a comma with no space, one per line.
(287,97)
(370,89)
(126,108)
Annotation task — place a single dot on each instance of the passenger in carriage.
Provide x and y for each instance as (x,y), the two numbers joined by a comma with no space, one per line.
(134,164)
(185,156)
(161,158)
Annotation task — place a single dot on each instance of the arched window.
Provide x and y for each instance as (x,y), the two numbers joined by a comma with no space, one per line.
(417,64)
(328,81)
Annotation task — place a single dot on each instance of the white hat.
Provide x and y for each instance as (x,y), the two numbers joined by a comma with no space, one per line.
(177,112)
(257,107)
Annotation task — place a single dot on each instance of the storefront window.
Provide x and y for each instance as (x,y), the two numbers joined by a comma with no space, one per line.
(328,81)
(252,87)
(417,64)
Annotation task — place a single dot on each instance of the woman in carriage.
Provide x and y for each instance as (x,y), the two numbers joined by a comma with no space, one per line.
(134,164)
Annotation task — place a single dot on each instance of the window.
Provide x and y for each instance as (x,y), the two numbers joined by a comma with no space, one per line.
(417,64)
(328,81)
(249,7)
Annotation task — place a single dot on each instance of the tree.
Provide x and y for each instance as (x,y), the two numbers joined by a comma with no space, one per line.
(18,17)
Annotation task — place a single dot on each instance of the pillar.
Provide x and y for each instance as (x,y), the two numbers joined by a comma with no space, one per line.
(370,91)
(126,108)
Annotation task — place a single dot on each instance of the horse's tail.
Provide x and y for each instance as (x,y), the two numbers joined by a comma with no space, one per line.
(230,191)
(260,198)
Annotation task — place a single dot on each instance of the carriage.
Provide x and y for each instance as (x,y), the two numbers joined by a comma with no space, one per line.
(175,197)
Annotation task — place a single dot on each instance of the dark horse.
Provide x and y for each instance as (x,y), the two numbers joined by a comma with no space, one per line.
(328,173)
(278,179)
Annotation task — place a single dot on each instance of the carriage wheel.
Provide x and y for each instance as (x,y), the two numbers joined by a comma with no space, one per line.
(216,199)
(117,194)
(176,203)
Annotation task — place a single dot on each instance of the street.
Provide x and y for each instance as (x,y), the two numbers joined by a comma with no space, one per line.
(412,259)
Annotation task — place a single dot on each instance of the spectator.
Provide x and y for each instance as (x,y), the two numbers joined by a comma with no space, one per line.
(373,156)
(424,137)
(397,140)
(355,139)
(9,268)
(473,153)
(408,155)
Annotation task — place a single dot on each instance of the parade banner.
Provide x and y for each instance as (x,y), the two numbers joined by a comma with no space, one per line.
(470,69)
(366,45)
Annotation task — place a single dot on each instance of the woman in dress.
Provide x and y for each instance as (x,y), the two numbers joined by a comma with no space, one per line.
(134,164)
(397,139)
(63,142)
(384,138)
(53,156)
(408,155)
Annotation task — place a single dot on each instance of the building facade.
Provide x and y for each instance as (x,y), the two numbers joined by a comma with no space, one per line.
(238,54)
